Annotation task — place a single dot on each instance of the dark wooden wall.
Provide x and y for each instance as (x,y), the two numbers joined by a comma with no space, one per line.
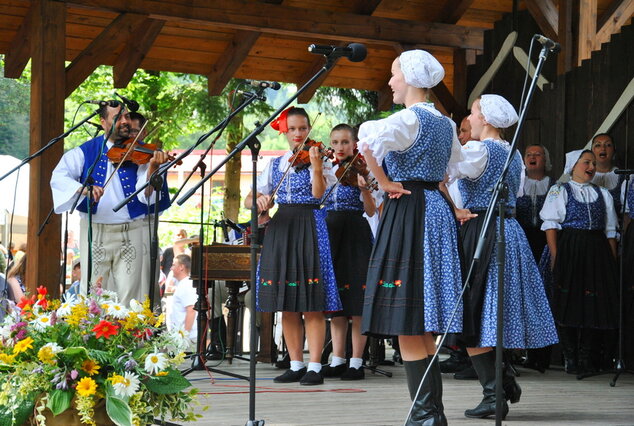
(569,111)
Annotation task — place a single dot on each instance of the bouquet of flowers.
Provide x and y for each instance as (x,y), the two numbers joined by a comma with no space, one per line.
(79,354)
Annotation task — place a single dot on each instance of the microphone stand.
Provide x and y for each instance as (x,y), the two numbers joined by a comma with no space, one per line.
(254,145)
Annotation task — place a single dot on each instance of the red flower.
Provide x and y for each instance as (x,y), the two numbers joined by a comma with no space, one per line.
(26,303)
(105,329)
(397,283)
(280,123)
(41,290)
(143,334)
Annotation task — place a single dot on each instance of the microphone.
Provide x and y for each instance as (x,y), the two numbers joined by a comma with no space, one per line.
(549,44)
(98,126)
(238,228)
(132,105)
(265,84)
(355,52)
(624,171)
(112,103)
(252,95)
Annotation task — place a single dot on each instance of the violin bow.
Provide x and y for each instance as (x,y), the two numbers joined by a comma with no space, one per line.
(125,156)
(332,188)
(290,163)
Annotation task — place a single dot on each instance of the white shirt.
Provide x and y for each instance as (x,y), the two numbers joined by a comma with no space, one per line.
(608,180)
(65,184)
(398,132)
(554,211)
(184,296)
(265,180)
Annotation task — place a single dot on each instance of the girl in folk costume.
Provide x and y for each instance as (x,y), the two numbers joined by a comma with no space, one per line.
(351,243)
(529,203)
(528,322)
(295,273)
(414,273)
(604,152)
(580,224)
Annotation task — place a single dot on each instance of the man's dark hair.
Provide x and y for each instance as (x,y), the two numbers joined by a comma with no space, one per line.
(138,116)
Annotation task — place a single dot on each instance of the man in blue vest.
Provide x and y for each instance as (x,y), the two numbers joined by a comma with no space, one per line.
(120,240)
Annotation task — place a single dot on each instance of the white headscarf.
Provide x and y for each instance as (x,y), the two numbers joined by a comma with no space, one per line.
(571,159)
(420,69)
(497,111)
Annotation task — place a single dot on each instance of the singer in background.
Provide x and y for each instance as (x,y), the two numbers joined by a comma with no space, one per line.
(604,150)
(121,240)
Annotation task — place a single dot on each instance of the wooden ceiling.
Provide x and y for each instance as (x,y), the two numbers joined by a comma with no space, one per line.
(262,40)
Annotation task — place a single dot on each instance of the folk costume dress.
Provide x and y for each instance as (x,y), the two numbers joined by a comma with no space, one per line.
(528,206)
(528,321)
(295,273)
(628,274)
(414,275)
(612,182)
(585,292)
(351,244)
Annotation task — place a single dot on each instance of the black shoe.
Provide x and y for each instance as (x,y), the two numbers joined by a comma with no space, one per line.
(311,378)
(455,363)
(290,376)
(284,363)
(328,371)
(467,374)
(353,374)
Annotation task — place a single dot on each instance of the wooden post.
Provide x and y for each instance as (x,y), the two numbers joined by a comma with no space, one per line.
(587,28)
(566,39)
(48,47)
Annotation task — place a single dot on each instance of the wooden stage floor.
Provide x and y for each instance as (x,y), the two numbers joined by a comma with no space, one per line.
(553,398)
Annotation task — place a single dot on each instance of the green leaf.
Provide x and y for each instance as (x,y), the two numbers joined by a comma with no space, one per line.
(118,411)
(22,412)
(164,385)
(74,351)
(59,401)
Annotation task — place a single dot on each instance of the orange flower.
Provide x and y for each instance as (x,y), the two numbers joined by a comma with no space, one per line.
(105,329)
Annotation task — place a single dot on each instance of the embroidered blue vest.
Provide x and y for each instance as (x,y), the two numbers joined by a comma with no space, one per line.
(427,158)
(345,198)
(477,193)
(296,188)
(580,215)
(527,211)
(127,175)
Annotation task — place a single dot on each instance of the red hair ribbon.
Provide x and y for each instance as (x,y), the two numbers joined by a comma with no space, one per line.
(280,123)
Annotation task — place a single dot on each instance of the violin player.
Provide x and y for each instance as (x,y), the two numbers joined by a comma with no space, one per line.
(121,240)
(295,274)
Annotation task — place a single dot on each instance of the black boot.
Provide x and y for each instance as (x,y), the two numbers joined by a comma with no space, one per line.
(436,377)
(484,365)
(587,351)
(568,339)
(458,360)
(512,389)
(425,412)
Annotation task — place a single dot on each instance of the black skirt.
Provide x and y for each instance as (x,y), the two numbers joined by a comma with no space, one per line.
(628,293)
(585,293)
(536,239)
(290,274)
(350,244)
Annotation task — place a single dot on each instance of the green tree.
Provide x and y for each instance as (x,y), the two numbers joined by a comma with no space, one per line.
(14,110)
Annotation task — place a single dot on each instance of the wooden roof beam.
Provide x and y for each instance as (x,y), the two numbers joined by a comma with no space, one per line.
(587,29)
(619,12)
(307,23)
(546,15)
(453,11)
(138,45)
(111,38)
(20,48)
(230,60)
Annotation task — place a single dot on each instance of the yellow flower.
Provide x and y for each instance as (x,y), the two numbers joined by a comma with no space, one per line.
(77,313)
(162,373)
(23,345)
(7,359)
(46,355)
(86,387)
(131,321)
(91,367)
(160,320)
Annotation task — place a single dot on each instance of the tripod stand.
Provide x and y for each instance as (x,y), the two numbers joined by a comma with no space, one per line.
(619,363)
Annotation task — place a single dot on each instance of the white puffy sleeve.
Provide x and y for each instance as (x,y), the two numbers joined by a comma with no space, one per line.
(65,180)
(394,133)
(611,221)
(554,211)
(264,182)
(475,157)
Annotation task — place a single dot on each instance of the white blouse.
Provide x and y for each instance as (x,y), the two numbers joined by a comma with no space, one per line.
(398,132)
(534,188)
(554,211)
(265,180)
(65,184)
(608,180)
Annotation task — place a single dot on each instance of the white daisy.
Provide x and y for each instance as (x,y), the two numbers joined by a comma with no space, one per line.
(117,310)
(126,385)
(41,322)
(54,347)
(66,307)
(178,339)
(135,306)
(155,362)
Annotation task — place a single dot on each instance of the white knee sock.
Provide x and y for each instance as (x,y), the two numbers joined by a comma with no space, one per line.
(297,365)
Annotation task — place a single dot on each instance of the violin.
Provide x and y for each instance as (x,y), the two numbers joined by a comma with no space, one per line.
(301,159)
(141,154)
(353,166)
